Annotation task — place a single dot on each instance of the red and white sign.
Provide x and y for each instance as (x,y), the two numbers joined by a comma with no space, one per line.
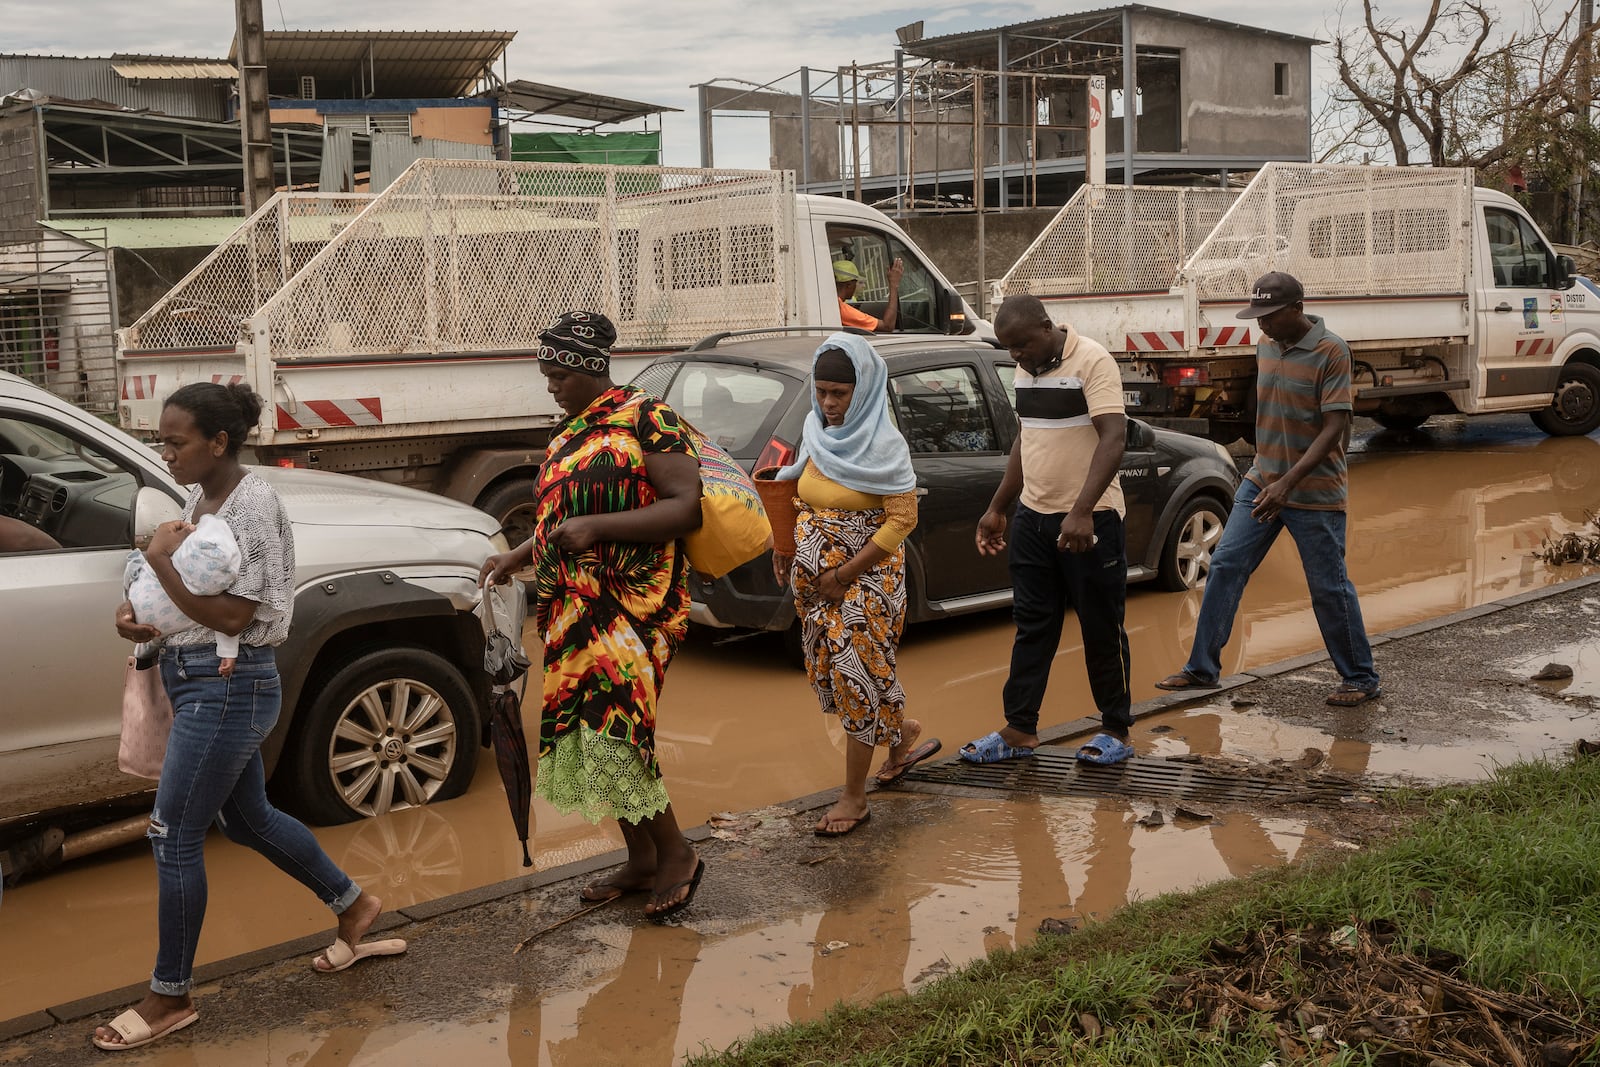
(138,387)
(227,379)
(1536,346)
(323,414)
(1094,165)
(1172,340)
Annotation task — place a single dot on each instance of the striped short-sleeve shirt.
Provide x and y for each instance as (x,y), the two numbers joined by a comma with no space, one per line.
(1057,411)
(1295,387)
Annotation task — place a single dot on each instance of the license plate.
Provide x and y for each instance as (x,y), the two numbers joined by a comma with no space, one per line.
(1132,398)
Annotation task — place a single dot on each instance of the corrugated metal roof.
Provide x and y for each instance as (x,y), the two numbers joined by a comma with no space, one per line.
(954,45)
(397,64)
(75,78)
(543,99)
(174,68)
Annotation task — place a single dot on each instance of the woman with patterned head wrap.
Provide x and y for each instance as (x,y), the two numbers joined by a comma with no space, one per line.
(619,486)
(858,503)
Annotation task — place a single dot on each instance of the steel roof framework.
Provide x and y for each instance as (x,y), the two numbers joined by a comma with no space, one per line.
(93,149)
(394,64)
(533,101)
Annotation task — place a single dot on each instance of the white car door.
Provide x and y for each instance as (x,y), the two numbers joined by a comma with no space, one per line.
(1520,312)
(61,664)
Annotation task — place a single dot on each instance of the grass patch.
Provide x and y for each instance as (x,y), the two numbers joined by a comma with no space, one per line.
(1500,881)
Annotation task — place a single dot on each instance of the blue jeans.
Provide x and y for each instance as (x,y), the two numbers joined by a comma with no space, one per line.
(213,772)
(1047,583)
(1319,536)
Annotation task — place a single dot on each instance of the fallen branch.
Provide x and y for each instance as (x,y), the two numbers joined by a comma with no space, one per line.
(531,938)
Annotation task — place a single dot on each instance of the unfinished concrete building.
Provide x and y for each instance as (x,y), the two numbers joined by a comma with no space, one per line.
(998,117)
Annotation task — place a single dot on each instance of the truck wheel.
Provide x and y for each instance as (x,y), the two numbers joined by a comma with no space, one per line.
(1575,409)
(392,729)
(1186,557)
(1399,423)
(512,505)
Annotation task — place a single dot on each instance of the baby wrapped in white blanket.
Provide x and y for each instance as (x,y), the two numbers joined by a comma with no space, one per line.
(208,561)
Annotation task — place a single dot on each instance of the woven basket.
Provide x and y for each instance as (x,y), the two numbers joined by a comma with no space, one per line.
(778,500)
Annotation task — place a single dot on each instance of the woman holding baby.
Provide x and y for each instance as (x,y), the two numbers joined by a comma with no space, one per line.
(222,712)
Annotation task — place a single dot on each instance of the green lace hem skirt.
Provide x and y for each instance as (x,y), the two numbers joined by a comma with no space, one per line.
(599,777)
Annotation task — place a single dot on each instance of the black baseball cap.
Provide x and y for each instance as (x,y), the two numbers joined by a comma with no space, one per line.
(1272,291)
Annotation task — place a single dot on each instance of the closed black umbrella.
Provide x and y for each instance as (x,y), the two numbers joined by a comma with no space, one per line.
(502,610)
(511,756)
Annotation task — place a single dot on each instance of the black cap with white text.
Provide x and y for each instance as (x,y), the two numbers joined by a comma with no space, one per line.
(1271,292)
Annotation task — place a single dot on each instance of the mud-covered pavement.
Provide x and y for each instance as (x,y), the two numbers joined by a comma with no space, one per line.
(1440,520)
(786,925)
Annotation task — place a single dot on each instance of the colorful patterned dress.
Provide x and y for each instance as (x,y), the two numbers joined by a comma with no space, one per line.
(611,617)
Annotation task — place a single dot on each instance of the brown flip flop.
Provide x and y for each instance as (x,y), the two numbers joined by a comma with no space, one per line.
(893,772)
(1184,680)
(1349,696)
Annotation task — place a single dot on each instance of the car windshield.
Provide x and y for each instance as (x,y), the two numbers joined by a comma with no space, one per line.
(729,404)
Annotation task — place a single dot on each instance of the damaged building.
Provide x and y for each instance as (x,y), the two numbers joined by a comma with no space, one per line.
(999,117)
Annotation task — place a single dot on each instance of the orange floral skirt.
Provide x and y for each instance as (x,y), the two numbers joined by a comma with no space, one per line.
(851,645)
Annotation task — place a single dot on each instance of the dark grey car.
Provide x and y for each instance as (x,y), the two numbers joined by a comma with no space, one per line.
(952,399)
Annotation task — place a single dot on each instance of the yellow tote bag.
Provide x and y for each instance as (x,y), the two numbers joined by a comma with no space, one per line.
(733,527)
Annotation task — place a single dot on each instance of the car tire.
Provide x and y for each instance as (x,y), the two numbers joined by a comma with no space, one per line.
(1399,423)
(1575,409)
(1193,537)
(512,505)
(330,779)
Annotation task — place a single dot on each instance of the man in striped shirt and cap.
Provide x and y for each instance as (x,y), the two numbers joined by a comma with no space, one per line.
(1298,482)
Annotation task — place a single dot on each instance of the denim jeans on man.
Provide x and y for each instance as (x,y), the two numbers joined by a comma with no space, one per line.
(1319,537)
(213,772)
(1046,583)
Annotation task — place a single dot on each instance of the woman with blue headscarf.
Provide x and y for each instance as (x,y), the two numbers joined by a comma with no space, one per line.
(858,503)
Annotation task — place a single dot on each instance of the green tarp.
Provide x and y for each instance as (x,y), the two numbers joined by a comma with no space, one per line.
(623,149)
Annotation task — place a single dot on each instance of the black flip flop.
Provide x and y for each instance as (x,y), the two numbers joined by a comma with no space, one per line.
(820,832)
(673,909)
(621,891)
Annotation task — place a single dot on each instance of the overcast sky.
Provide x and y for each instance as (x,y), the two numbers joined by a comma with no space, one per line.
(653,52)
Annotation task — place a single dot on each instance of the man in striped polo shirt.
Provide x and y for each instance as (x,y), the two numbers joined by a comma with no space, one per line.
(1298,483)
(1067,550)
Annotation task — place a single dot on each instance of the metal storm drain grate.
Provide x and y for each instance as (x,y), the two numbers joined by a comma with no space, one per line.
(1059,773)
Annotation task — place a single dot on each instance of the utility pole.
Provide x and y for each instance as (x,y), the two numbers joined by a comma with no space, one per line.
(255,120)
(1584,100)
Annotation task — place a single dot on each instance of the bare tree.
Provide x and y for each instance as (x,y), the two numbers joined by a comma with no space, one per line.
(1458,88)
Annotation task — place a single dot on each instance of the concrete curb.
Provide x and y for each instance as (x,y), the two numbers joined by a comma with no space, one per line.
(403,917)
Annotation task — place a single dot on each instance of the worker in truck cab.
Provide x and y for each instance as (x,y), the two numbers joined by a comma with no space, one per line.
(1297,483)
(846,278)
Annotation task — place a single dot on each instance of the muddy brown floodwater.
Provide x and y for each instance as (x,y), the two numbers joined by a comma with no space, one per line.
(1437,523)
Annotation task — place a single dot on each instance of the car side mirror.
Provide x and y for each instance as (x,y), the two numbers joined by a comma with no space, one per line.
(953,314)
(1566,273)
(1140,434)
(151,508)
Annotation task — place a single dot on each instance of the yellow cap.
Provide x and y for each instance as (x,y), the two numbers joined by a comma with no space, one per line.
(845,271)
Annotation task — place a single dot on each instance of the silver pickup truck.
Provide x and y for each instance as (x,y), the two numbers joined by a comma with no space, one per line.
(384,694)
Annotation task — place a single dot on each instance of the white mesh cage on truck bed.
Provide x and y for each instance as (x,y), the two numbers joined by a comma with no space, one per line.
(461,256)
(1344,231)
(1124,240)
(207,308)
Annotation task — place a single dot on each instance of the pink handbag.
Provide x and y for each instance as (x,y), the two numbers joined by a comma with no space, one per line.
(146,722)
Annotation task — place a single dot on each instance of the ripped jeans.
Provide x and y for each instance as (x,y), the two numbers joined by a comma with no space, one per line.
(213,772)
